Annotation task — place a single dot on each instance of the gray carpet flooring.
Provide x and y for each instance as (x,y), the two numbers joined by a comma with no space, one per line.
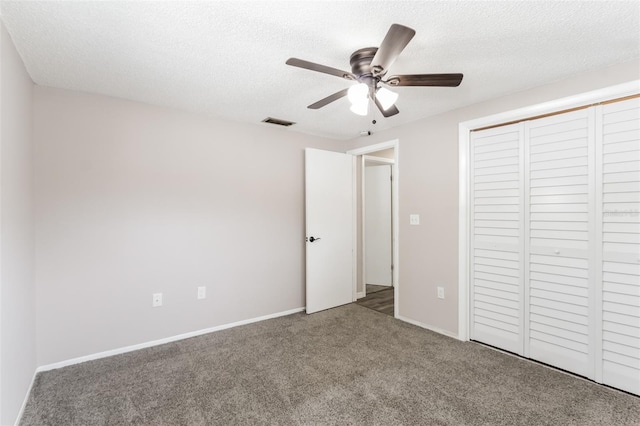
(347,366)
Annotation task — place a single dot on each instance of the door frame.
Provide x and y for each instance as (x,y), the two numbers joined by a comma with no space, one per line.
(464,137)
(395,208)
(370,159)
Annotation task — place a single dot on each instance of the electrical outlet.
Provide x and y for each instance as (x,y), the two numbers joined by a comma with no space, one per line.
(157,299)
(414,219)
(440,292)
(202,292)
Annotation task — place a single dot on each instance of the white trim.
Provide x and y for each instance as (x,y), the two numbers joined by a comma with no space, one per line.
(574,101)
(464,129)
(363,218)
(525,233)
(354,231)
(26,399)
(374,148)
(395,188)
(428,327)
(592,275)
(395,144)
(162,341)
(371,159)
(463,233)
(597,242)
(361,294)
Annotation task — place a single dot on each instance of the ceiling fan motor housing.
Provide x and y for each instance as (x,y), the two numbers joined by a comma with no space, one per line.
(360,61)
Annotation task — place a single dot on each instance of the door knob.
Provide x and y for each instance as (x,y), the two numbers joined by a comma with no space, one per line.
(312,239)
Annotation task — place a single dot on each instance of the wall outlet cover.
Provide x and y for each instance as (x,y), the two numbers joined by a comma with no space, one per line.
(414,219)
(157,300)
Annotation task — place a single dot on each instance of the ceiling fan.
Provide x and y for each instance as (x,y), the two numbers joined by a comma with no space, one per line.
(369,67)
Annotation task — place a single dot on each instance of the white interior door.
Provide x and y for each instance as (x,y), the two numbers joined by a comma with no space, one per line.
(496,241)
(378,248)
(560,322)
(619,220)
(329,229)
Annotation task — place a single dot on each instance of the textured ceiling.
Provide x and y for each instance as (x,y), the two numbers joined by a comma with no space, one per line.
(227,59)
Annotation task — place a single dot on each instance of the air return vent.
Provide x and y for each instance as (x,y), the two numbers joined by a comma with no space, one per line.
(277,121)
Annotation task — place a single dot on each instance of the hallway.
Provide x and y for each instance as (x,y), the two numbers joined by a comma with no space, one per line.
(379,298)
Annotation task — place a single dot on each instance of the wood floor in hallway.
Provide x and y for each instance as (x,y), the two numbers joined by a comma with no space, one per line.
(379,298)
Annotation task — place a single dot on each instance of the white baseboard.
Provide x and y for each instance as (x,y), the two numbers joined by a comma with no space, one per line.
(26,399)
(428,327)
(360,295)
(131,348)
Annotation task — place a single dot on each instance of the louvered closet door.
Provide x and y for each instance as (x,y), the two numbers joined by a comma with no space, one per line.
(620,232)
(496,217)
(560,214)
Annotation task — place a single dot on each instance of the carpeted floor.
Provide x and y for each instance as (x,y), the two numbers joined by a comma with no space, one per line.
(348,365)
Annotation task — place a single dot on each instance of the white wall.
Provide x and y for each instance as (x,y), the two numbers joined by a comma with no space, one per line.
(377,224)
(385,153)
(429,186)
(133,199)
(17,295)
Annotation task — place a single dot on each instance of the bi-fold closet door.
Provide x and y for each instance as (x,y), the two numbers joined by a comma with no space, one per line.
(497,223)
(555,244)
(559,241)
(618,237)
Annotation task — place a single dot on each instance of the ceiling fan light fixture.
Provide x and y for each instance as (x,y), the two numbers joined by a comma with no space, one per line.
(361,108)
(370,65)
(358,94)
(386,97)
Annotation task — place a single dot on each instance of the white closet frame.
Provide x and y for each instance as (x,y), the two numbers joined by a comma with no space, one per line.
(464,131)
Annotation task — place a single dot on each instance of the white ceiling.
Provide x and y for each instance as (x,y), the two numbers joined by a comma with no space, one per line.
(227,59)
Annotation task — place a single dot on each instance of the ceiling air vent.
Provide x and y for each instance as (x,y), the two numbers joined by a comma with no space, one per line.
(277,121)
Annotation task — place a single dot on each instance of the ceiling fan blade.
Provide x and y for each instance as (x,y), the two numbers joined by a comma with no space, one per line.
(393,44)
(443,80)
(329,99)
(300,63)
(393,110)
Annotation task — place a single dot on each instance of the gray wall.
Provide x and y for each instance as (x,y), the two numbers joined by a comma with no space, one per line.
(132,200)
(17,295)
(429,186)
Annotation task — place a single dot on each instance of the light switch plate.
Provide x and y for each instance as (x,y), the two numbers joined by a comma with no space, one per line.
(440,292)
(414,219)
(202,292)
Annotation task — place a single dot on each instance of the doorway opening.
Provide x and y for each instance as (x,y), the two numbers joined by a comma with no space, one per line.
(376,227)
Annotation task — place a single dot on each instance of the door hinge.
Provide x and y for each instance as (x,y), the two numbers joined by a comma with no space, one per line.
(392,267)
